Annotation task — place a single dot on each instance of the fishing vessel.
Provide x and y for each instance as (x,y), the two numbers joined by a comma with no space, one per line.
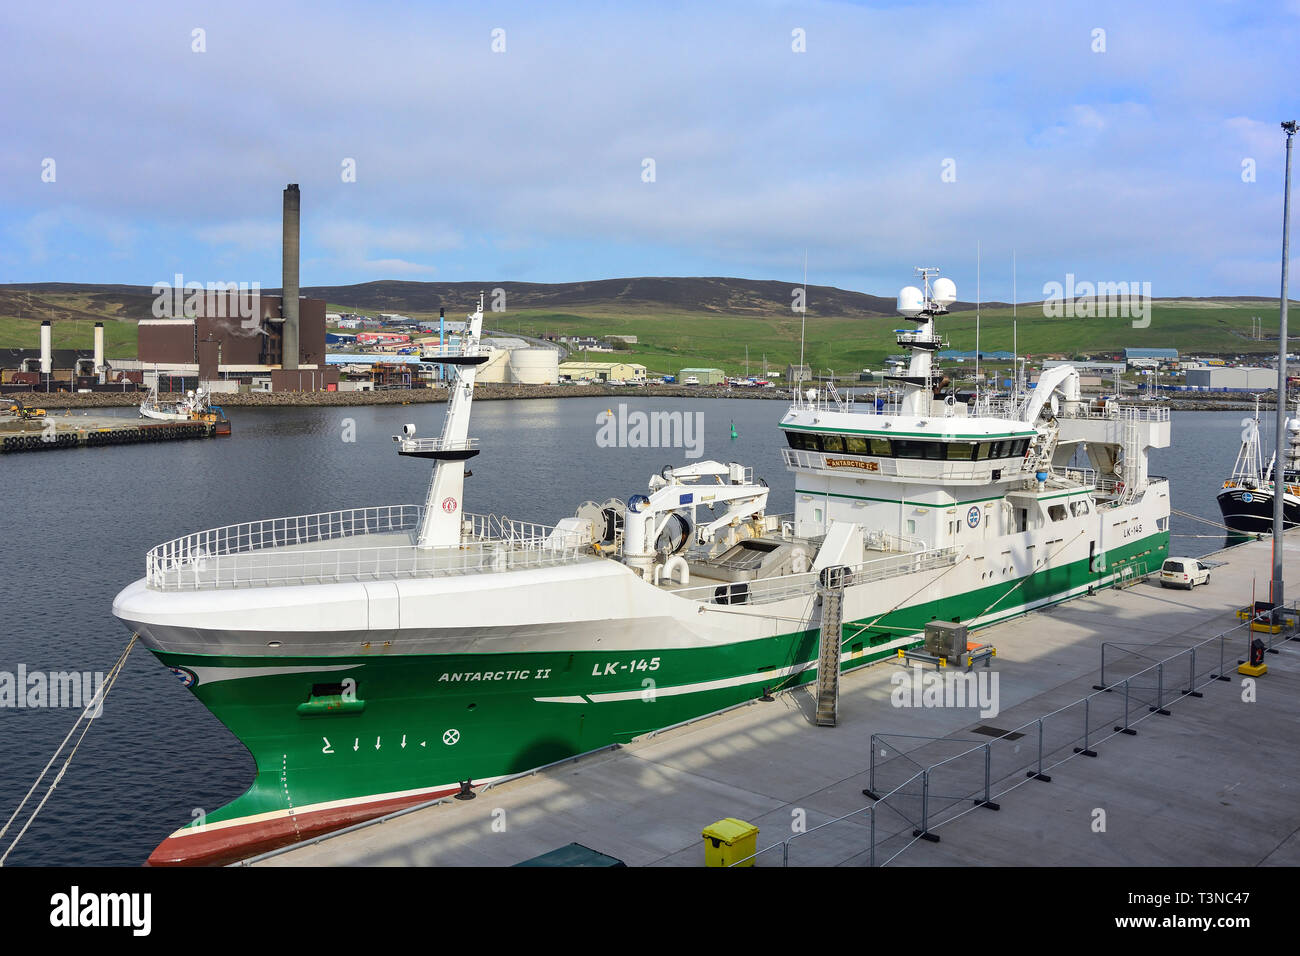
(375,658)
(1246,501)
(181,411)
(196,406)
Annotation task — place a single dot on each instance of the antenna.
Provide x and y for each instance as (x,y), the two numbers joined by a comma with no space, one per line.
(803,320)
(977,323)
(1015,344)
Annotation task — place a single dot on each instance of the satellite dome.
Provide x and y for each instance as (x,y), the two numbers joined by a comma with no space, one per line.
(944,292)
(910,301)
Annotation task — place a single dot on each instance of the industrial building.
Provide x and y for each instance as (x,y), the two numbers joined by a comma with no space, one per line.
(47,369)
(233,337)
(1232,379)
(705,376)
(1150,358)
(1090,367)
(602,371)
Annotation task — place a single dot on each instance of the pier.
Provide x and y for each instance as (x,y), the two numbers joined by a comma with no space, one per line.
(49,432)
(1207,775)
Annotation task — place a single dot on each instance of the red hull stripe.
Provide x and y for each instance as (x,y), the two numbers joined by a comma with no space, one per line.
(231,843)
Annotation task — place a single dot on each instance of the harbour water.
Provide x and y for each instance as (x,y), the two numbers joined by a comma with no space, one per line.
(76,527)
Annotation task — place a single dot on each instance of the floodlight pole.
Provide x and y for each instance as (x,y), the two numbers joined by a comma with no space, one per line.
(1279,466)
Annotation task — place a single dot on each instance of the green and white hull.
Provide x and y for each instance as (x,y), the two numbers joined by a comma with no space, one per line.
(481,678)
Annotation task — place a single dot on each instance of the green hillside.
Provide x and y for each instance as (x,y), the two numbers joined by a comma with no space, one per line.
(691,322)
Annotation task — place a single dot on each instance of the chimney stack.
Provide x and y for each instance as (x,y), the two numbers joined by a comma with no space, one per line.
(99,345)
(289,282)
(46,357)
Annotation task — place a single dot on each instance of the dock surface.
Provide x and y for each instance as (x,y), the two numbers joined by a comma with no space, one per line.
(1216,782)
(50,432)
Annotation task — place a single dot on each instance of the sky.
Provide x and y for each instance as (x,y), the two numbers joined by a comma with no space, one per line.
(563,142)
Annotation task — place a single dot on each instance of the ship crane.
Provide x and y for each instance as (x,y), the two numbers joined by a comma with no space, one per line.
(677,489)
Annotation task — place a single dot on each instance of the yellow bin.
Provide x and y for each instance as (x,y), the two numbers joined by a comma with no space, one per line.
(729,840)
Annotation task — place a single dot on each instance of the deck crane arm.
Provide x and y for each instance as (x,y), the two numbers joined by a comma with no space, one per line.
(679,489)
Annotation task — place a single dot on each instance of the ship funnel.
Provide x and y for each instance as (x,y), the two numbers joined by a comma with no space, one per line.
(289,277)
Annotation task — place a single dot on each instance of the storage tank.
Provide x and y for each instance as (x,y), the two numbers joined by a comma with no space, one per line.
(535,366)
(496,370)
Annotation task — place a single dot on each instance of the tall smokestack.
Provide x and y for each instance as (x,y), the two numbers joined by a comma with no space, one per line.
(289,283)
(46,357)
(99,345)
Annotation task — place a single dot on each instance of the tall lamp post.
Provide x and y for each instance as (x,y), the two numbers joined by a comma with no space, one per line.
(1279,465)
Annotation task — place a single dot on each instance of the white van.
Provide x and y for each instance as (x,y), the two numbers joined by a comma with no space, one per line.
(1183,573)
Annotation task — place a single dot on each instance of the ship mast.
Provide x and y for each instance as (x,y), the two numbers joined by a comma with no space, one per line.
(441,525)
(922,306)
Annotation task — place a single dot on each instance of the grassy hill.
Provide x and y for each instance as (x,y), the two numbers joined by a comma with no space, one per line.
(683,322)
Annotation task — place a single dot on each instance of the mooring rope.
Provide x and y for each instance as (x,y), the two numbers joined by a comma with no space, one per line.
(96,703)
(1216,524)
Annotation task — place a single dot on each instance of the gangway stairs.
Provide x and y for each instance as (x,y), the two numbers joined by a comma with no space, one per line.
(831,590)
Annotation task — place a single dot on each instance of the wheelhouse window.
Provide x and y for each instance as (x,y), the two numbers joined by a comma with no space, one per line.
(960,451)
(927,450)
(913,448)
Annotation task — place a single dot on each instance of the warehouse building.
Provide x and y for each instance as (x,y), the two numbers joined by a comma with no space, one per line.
(1232,379)
(602,371)
(704,376)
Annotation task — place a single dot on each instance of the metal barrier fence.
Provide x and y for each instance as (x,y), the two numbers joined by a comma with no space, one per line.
(916,789)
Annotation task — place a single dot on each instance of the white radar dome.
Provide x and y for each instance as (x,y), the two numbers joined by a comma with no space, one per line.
(944,292)
(911,301)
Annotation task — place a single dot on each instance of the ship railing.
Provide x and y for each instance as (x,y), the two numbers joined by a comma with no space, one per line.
(1120,412)
(1086,477)
(783,587)
(285,551)
(825,398)
(435,444)
(856,400)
